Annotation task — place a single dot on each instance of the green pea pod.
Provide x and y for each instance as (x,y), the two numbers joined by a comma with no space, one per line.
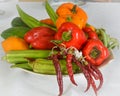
(103,36)
(44,66)
(31,21)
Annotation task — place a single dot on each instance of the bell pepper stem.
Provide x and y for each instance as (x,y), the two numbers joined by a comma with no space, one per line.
(66,36)
(94,53)
(73,10)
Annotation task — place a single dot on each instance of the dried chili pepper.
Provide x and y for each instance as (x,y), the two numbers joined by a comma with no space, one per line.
(90,72)
(69,58)
(85,72)
(96,74)
(95,52)
(99,76)
(58,73)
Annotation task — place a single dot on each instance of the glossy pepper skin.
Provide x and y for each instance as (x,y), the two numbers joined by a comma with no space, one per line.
(40,37)
(95,52)
(90,33)
(70,35)
(69,12)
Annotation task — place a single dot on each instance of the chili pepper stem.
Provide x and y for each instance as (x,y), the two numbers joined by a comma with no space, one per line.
(69,66)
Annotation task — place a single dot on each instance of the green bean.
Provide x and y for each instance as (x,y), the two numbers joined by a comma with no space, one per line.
(108,41)
(103,36)
(113,43)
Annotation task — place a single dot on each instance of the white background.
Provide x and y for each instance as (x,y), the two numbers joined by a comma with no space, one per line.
(15,82)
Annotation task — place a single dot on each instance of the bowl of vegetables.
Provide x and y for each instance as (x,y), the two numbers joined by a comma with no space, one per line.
(60,46)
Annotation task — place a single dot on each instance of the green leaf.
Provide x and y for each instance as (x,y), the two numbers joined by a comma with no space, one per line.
(51,12)
(31,21)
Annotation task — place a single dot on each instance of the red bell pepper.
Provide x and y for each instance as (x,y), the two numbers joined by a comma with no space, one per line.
(70,35)
(90,33)
(40,37)
(95,52)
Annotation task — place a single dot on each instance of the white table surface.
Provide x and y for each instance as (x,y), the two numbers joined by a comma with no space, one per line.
(15,82)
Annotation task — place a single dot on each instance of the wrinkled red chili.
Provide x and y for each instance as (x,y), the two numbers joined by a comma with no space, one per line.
(91,73)
(85,72)
(69,58)
(100,76)
(58,73)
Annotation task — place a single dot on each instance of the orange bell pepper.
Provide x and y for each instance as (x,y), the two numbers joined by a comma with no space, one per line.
(47,21)
(14,43)
(69,12)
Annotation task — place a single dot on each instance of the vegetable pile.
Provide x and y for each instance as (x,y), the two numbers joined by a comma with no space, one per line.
(63,44)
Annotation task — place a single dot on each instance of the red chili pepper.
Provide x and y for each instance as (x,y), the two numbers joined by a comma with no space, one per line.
(87,75)
(95,52)
(40,37)
(70,35)
(58,73)
(100,76)
(91,74)
(69,58)
(90,33)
